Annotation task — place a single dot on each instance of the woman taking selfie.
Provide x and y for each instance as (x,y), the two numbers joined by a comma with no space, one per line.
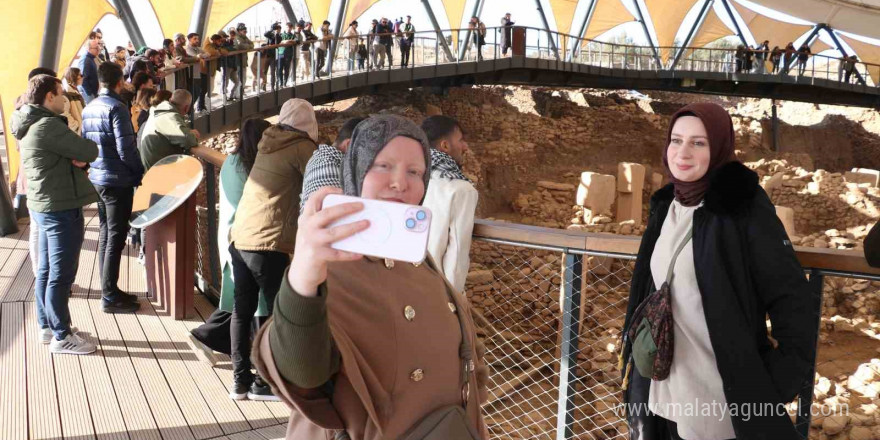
(362,347)
(722,261)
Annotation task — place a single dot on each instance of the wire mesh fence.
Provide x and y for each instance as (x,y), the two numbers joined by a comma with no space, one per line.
(519,297)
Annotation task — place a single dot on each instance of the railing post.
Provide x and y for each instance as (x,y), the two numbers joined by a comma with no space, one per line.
(568,360)
(211,201)
(805,397)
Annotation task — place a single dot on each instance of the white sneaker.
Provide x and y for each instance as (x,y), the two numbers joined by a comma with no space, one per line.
(46,334)
(72,344)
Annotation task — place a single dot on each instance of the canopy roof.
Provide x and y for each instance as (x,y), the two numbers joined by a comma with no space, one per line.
(665,17)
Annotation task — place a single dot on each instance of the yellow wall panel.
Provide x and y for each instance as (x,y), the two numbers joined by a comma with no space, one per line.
(607,15)
(224,11)
(174,15)
(19,22)
(81,19)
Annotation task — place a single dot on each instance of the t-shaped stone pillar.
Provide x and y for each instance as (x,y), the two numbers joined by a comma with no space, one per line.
(630,183)
(596,194)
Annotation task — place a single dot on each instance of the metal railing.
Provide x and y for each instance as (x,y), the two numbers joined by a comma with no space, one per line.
(431,48)
(550,304)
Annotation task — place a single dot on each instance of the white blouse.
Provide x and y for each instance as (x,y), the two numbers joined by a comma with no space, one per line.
(693,394)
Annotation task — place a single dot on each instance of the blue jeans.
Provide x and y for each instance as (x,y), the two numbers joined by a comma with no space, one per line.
(60,242)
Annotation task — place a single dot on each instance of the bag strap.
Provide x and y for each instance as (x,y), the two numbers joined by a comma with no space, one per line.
(684,241)
(465,350)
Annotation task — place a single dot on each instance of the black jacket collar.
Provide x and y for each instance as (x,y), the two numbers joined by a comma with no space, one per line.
(731,188)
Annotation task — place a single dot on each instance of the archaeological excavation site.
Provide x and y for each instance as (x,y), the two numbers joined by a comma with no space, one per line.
(575,163)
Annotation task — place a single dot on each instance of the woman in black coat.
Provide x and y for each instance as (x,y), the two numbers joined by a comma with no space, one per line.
(745,269)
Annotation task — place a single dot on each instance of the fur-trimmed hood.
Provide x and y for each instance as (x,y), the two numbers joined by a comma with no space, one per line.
(731,189)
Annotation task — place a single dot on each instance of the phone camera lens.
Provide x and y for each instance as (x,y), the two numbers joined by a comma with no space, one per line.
(421,215)
(410,223)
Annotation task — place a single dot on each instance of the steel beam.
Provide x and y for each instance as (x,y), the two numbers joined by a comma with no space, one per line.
(56,12)
(575,49)
(337,30)
(742,38)
(641,19)
(288,10)
(547,28)
(704,12)
(837,43)
(198,22)
(478,9)
(430,11)
(123,10)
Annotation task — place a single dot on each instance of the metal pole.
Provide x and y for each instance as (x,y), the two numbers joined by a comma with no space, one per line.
(704,12)
(552,44)
(568,358)
(123,9)
(199,20)
(437,29)
(739,33)
(641,19)
(478,9)
(337,29)
(774,124)
(56,11)
(583,30)
(288,10)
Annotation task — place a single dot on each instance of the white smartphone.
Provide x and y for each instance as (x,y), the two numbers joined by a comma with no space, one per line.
(397,231)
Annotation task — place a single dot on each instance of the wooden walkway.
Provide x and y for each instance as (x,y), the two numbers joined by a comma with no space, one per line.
(144,382)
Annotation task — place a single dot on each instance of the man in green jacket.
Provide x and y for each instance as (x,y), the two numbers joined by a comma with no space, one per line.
(54,160)
(166,132)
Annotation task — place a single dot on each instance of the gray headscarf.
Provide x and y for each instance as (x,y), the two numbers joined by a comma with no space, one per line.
(368,139)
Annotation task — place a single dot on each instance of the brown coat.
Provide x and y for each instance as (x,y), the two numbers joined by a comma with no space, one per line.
(269,208)
(378,393)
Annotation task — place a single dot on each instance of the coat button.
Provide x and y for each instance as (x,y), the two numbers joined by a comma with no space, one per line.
(409,313)
(417,375)
(451,307)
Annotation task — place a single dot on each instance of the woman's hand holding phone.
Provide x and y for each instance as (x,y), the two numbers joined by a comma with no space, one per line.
(314,238)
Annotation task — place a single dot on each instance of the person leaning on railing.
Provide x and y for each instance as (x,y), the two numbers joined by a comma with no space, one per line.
(365,348)
(738,267)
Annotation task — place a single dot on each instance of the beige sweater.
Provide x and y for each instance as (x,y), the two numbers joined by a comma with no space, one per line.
(694,385)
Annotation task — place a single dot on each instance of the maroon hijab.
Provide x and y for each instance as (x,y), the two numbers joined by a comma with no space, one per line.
(719,128)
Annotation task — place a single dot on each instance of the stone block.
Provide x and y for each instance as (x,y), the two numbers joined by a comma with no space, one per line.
(656,182)
(596,193)
(629,207)
(863,175)
(786,215)
(630,177)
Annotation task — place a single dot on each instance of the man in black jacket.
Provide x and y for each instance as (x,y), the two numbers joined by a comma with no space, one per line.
(273,37)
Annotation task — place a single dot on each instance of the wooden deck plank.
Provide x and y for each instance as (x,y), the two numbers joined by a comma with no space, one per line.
(257,413)
(192,403)
(172,424)
(13,389)
(107,415)
(10,242)
(133,403)
(277,432)
(42,400)
(227,413)
(247,435)
(22,288)
(87,259)
(73,404)
(137,281)
(11,265)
